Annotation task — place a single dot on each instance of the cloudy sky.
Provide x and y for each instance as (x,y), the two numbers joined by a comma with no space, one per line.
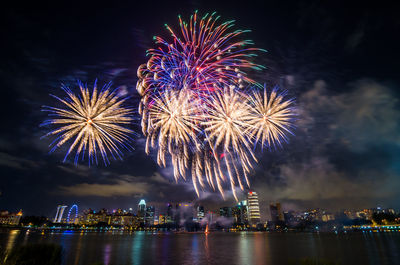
(341,63)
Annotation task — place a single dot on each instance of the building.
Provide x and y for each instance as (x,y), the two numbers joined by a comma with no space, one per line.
(253,208)
(90,217)
(169,218)
(276,212)
(162,219)
(142,211)
(225,212)
(123,219)
(365,214)
(200,213)
(149,216)
(7,218)
(239,213)
(59,214)
(326,217)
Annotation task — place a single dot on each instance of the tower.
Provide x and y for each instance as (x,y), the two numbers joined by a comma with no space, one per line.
(253,208)
(276,212)
(200,213)
(142,211)
(59,214)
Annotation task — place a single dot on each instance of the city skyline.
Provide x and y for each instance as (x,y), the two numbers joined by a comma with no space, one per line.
(273,211)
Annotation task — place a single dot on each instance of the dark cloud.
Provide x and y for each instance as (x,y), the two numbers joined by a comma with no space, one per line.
(349,143)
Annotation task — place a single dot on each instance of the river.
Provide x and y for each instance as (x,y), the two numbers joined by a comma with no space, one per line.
(114,248)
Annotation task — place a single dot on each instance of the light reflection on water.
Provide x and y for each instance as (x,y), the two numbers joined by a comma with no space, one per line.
(12,236)
(112,248)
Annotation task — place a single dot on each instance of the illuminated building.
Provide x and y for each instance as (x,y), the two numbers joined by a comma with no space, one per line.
(142,211)
(327,217)
(225,212)
(170,215)
(200,213)
(90,217)
(123,219)
(365,214)
(150,214)
(59,214)
(289,218)
(253,208)
(7,218)
(162,219)
(276,212)
(239,213)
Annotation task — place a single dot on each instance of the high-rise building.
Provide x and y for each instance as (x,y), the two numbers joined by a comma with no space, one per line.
(239,213)
(170,214)
(225,212)
(142,211)
(59,214)
(253,208)
(200,213)
(150,213)
(276,212)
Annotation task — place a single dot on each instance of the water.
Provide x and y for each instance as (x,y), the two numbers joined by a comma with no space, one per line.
(216,248)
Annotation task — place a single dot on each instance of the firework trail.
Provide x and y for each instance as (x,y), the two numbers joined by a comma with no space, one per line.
(205,56)
(172,124)
(91,122)
(197,109)
(272,117)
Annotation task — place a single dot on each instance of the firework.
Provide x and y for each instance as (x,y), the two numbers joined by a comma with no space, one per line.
(204,56)
(225,125)
(196,111)
(172,124)
(91,122)
(272,117)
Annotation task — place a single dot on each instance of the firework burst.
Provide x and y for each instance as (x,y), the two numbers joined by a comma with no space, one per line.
(204,56)
(92,122)
(272,117)
(171,122)
(196,111)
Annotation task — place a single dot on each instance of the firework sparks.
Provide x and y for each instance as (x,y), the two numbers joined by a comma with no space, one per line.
(171,122)
(204,57)
(92,122)
(272,118)
(195,109)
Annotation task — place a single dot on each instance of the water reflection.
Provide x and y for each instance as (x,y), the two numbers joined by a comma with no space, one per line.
(195,249)
(137,247)
(78,249)
(207,248)
(11,239)
(245,246)
(107,254)
(216,248)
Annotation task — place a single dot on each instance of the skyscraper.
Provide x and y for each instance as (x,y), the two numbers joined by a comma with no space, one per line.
(142,211)
(276,212)
(239,213)
(225,212)
(253,208)
(150,213)
(200,213)
(170,215)
(59,214)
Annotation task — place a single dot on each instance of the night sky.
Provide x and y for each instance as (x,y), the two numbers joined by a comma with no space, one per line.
(340,62)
